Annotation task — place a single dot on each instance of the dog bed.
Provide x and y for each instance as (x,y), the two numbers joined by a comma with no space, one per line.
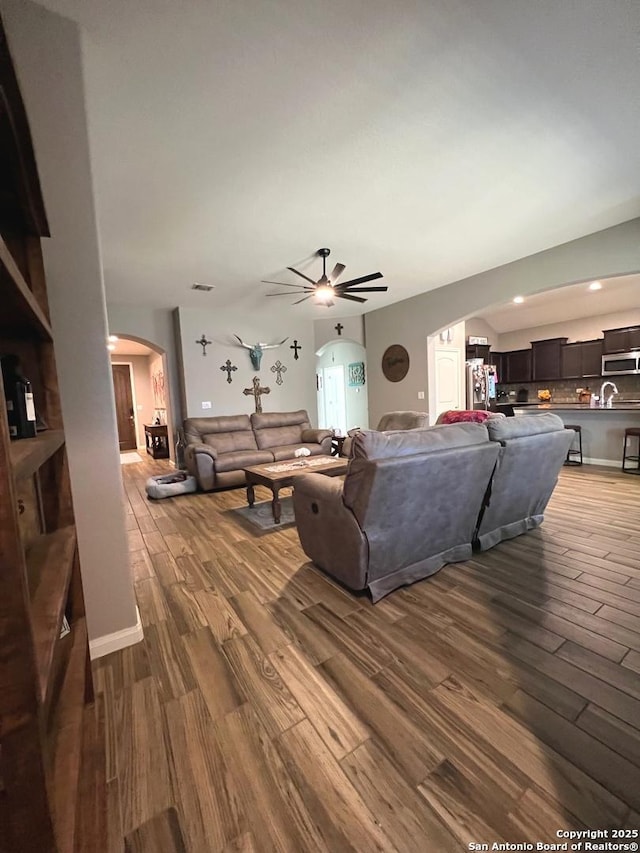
(169,485)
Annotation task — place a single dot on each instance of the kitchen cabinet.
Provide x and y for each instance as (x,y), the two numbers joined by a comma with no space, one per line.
(581,360)
(545,359)
(517,365)
(497,359)
(621,340)
(477,351)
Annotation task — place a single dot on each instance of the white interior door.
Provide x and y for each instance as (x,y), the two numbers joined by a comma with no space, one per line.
(448,379)
(335,414)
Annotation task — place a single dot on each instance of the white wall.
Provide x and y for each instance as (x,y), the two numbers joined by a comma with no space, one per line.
(47,53)
(582,329)
(614,251)
(204,381)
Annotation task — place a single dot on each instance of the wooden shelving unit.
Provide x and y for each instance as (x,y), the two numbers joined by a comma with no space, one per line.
(51,738)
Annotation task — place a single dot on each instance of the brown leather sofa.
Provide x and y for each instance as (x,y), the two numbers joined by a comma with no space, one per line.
(219,448)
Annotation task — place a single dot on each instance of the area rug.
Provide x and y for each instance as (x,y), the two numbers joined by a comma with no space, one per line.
(130,456)
(261,514)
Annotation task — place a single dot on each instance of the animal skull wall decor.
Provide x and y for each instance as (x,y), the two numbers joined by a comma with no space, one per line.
(256,350)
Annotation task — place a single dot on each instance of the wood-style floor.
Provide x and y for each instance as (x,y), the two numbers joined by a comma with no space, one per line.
(270,710)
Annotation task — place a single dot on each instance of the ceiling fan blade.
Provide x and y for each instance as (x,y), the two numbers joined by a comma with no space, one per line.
(282,283)
(285,293)
(360,280)
(366,289)
(337,272)
(352,298)
(303,299)
(301,274)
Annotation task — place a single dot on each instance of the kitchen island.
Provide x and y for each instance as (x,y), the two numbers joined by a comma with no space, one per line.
(602,429)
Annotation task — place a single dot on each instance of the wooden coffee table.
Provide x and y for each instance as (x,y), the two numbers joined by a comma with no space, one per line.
(278,475)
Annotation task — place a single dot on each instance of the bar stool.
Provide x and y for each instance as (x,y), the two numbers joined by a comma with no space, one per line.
(626,457)
(574,454)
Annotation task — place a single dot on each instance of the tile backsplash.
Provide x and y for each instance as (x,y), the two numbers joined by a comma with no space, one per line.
(564,390)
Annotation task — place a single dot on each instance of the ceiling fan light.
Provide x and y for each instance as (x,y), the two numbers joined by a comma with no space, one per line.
(323,294)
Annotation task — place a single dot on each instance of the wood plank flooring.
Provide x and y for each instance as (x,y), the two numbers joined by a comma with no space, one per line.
(268,709)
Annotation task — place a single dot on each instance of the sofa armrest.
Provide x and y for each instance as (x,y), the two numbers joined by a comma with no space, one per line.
(315,436)
(329,533)
(202,448)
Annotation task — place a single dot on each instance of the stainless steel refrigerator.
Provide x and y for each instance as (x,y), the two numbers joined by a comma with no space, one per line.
(481,384)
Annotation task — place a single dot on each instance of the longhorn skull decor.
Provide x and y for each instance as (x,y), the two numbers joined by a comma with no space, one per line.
(256,350)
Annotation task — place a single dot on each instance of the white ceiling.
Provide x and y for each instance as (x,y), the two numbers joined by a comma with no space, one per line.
(427,139)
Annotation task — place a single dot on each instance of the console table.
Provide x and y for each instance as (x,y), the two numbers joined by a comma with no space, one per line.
(157,440)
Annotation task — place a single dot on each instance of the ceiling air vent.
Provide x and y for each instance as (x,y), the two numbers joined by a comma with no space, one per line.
(199,286)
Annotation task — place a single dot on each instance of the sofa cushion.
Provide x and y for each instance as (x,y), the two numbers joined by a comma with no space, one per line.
(242,459)
(505,429)
(196,428)
(403,420)
(229,442)
(278,429)
(288,451)
(370,444)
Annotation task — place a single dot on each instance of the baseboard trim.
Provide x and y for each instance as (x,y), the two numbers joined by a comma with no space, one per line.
(118,640)
(609,463)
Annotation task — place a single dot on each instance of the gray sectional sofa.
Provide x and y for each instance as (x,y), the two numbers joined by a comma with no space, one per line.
(219,448)
(415,500)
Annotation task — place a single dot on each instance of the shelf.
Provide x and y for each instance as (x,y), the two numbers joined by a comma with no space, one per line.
(20,310)
(49,566)
(68,747)
(29,454)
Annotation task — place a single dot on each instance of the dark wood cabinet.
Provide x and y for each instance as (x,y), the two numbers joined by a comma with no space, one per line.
(581,360)
(477,351)
(545,359)
(497,359)
(592,358)
(621,340)
(517,365)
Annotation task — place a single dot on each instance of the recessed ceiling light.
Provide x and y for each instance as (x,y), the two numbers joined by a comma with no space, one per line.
(595,285)
(518,300)
(111,347)
(197,285)
(113,339)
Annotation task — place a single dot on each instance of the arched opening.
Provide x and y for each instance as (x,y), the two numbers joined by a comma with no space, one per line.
(341,385)
(143,398)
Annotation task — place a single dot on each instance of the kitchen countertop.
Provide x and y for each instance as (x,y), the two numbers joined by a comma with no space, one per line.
(622,406)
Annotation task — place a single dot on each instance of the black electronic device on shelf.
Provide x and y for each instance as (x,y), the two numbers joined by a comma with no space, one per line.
(21,412)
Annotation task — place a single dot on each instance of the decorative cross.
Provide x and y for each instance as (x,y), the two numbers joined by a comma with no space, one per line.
(257,391)
(204,343)
(338,327)
(229,368)
(279,368)
(295,346)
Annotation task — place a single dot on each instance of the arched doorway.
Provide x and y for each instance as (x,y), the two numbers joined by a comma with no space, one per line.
(142,393)
(341,385)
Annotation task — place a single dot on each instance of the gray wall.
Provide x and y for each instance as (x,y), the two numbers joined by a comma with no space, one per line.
(614,251)
(204,381)
(48,57)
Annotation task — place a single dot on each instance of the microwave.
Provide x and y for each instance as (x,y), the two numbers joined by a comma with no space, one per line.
(620,363)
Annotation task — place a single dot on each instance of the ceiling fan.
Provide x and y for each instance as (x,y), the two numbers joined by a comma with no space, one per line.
(325,289)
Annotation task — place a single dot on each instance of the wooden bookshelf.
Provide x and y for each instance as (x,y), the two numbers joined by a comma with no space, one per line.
(51,736)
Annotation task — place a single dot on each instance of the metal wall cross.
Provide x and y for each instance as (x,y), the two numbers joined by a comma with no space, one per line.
(229,369)
(204,343)
(256,390)
(295,346)
(279,368)
(338,327)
